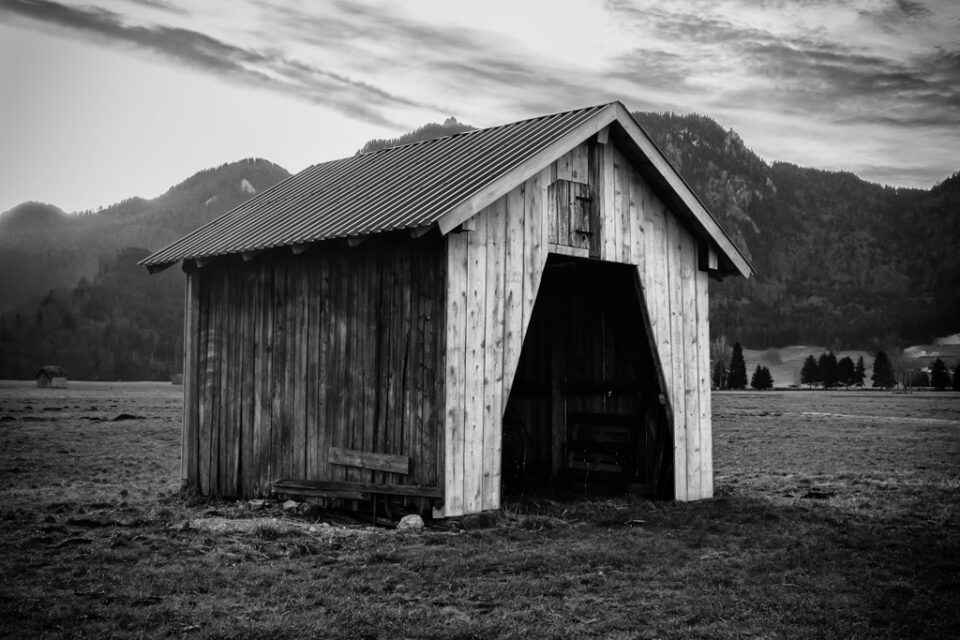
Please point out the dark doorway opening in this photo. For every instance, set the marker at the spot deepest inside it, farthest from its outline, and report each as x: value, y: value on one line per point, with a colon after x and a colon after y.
x: 586, y: 412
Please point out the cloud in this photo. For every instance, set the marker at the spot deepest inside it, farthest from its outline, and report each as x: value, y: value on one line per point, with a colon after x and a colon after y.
x: 265, y: 69
x: 801, y: 73
x: 461, y: 61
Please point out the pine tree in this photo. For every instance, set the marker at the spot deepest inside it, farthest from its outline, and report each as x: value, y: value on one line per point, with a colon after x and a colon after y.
x: 738, y: 369
x: 846, y: 371
x: 810, y: 374
x: 883, y: 372
x: 939, y: 376
x: 827, y: 364
x: 761, y: 378
x: 859, y: 372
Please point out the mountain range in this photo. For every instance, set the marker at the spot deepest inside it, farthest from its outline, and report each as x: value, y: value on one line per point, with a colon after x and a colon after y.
x: 840, y: 262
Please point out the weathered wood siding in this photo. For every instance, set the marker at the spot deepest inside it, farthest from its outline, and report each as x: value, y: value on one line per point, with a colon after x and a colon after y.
x: 493, y: 273
x: 289, y: 355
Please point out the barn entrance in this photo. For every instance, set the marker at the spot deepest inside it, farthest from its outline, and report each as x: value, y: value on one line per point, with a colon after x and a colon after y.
x: 585, y: 411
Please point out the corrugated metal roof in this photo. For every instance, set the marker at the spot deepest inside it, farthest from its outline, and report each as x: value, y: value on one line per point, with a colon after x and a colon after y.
x: 397, y: 188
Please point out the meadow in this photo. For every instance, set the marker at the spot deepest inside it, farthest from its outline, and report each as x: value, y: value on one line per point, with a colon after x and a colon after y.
x: 837, y: 515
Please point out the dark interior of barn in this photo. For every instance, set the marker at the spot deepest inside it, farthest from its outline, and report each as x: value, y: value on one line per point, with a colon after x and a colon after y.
x: 585, y: 413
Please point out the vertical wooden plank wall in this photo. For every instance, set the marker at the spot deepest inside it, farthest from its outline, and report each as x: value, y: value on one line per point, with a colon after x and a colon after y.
x: 288, y: 355
x: 493, y: 274
x: 506, y: 252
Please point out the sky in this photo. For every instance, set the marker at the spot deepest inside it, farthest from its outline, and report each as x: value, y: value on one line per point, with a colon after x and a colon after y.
x: 107, y: 99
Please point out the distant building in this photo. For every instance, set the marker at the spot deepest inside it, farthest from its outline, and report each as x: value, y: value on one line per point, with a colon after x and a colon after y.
x: 52, y: 375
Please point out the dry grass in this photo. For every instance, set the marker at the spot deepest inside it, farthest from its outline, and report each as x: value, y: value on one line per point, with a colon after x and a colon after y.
x: 837, y: 517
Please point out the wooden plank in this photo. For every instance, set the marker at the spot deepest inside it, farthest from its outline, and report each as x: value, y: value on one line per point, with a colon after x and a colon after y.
x: 292, y: 486
x: 562, y: 199
x: 231, y: 351
x: 338, y: 392
x: 637, y: 225
x: 262, y: 304
x: 423, y: 363
x: 690, y: 359
x: 627, y: 211
x: 189, y: 459
x: 216, y: 382
x: 370, y: 460
x: 325, y: 329
x: 675, y: 375
x: 580, y: 164
x: 455, y: 382
x: 369, y: 350
x: 608, y: 226
x: 313, y: 356
x: 278, y: 370
x: 475, y: 352
x: 301, y: 383
x: 595, y: 179
x: 331, y: 494
x: 706, y: 417
x: 552, y: 212
x: 493, y: 354
x: 534, y: 255
x: 248, y: 341
x: 512, y: 291
x: 352, y: 392
x: 435, y: 409
x: 564, y: 250
x: 565, y: 166
x: 616, y: 211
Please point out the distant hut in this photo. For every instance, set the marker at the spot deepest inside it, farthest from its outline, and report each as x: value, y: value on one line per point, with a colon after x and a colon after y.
x: 520, y: 304
x: 52, y: 375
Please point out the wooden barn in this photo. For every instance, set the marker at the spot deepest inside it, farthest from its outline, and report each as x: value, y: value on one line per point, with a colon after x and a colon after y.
x: 52, y: 375
x: 428, y: 323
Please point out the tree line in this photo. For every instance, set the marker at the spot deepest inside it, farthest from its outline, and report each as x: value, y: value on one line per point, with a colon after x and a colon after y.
x: 736, y: 376
x: 828, y: 372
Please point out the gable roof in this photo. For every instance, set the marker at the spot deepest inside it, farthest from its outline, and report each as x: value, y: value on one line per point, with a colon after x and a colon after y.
x: 440, y: 182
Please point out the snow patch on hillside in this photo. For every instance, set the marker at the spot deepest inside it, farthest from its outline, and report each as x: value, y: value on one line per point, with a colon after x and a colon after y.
x: 246, y: 187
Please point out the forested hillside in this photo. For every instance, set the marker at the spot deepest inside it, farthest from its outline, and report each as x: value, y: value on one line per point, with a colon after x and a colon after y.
x: 841, y: 262
x: 71, y: 292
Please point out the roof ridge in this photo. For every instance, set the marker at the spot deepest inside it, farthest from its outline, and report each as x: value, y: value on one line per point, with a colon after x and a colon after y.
x: 483, y: 129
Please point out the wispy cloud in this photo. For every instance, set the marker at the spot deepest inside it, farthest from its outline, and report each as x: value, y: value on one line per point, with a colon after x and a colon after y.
x: 263, y: 68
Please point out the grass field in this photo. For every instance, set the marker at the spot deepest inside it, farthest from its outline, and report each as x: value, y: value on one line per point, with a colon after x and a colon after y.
x: 837, y: 516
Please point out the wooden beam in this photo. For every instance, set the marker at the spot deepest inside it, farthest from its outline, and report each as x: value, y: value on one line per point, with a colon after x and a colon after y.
x: 293, y: 486
x: 297, y: 249
x: 418, y: 232
x: 369, y: 460
x: 203, y: 262
x: 157, y: 268
x: 355, y: 241
x: 250, y: 255
x: 320, y: 493
x: 603, y: 136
